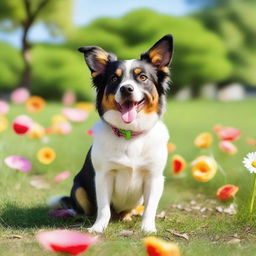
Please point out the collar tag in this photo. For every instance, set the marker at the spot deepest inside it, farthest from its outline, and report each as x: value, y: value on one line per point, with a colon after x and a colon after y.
x: 127, y: 133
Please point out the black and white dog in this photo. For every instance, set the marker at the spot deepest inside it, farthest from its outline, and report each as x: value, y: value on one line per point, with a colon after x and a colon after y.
x: 124, y: 167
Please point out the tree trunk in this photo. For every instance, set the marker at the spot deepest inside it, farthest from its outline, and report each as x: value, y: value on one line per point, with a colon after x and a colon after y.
x: 25, y: 80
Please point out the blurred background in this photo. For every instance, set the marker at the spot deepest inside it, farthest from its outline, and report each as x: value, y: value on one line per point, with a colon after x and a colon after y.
x: 215, y: 44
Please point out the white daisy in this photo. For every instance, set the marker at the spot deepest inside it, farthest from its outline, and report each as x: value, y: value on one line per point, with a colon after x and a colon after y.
x: 250, y: 162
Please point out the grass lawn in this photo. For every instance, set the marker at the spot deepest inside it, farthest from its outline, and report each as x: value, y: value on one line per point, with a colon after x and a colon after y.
x: 23, y: 211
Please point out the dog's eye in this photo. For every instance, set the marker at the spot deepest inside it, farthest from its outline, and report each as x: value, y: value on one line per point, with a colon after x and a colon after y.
x: 114, y: 79
x: 143, y: 77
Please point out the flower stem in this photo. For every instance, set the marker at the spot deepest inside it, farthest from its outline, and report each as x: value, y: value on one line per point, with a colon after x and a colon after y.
x: 253, y: 195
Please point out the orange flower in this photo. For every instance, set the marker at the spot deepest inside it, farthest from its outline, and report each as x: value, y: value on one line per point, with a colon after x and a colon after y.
x: 3, y: 123
x: 171, y: 147
x: 86, y: 106
x: 204, y: 168
x: 159, y: 247
x: 228, y: 147
x: 46, y: 155
x: 178, y: 164
x: 36, y: 131
x: 203, y: 140
x: 35, y: 104
x: 227, y: 191
x: 56, y: 119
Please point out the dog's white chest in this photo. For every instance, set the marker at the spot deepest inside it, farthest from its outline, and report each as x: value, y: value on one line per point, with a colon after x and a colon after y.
x: 129, y: 162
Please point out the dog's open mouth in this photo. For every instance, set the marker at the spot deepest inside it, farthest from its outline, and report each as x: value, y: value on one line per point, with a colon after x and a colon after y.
x: 129, y: 109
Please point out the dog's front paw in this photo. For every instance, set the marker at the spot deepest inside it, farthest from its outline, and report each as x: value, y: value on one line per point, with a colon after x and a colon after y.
x: 97, y: 228
x: 148, y: 228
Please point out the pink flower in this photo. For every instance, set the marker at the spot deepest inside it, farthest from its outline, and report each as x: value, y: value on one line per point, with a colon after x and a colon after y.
x: 66, y: 241
x: 4, y: 107
x: 63, y: 128
x: 227, y: 147
x: 75, y: 114
x: 20, y: 95
x: 69, y: 98
x: 18, y: 163
x: 227, y: 133
x: 22, y: 124
x: 64, y: 213
x: 61, y: 176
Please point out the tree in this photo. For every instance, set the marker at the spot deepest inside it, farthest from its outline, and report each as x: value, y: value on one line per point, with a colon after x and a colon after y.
x: 24, y: 14
x: 234, y: 21
x: 199, y: 55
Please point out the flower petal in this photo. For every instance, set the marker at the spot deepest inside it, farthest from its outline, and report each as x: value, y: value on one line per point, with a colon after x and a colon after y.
x: 204, y: 168
x: 3, y: 123
x: 159, y: 247
x: 4, y: 107
x: 228, y: 147
x: 178, y: 164
x: 75, y: 114
x: 20, y: 95
x: 22, y: 124
x: 18, y: 163
x: 61, y: 176
x: 171, y: 147
x: 69, y: 98
x: 35, y: 104
x: 203, y: 140
x: 227, y: 133
x: 227, y: 191
x: 66, y: 241
x: 46, y: 155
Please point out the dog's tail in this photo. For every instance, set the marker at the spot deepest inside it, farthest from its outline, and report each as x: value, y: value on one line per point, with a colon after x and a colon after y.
x: 58, y: 202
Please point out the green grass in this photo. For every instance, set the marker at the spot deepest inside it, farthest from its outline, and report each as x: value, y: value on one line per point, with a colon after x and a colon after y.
x: 23, y: 210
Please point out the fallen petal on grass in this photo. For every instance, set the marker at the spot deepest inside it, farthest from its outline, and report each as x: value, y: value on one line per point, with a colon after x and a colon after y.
x: 4, y: 107
x: 20, y: 95
x: 3, y: 123
x: 18, y: 163
x: 203, y: 140
x: 22, y: 124
x: 226, y: 192
x: 35, y: 104
x: 159, y: 247
x: 227, y: 133
x: 204, y: 168
x: 228, y: 147
x: 46, y: 155
x: 178, y: 164
x: 61, y: 176
x: 39, y: 183
x: 66, y: 241
x: 75, y: 114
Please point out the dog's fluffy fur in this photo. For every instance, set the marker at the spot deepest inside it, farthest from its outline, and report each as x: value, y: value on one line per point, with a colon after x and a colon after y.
x: 123, y: 172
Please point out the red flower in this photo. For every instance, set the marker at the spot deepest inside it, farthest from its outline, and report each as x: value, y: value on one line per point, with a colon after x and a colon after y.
x: 226, y: 192
x: 228, y: 147
x: 227, y: 133
x: 178, y: 164
x: 66, y: 241
x: 22, y: 124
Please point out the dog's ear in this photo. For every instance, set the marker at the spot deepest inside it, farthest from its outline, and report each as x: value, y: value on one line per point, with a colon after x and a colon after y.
x: 160, y: 54
x: 96, y: 58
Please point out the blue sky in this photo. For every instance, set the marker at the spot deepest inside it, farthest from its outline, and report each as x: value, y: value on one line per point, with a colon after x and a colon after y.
x: 87, y: 10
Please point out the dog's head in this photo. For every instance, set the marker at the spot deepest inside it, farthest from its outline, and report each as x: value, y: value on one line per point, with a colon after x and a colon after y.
x: 131, y: 93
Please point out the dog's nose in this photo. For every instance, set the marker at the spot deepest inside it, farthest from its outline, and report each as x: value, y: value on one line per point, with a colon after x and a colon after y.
x: 126, y: 90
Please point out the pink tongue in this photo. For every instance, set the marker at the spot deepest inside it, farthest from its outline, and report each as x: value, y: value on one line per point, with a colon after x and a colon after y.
x: 128, y: 114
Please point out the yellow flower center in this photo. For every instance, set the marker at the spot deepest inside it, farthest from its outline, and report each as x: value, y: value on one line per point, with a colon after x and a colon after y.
x: 254, y: 163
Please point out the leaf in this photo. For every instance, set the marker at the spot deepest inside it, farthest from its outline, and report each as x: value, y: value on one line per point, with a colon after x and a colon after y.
x: 185, y: 236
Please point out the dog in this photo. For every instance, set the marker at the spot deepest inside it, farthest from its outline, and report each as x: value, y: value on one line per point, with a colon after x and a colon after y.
x: 124, y: 166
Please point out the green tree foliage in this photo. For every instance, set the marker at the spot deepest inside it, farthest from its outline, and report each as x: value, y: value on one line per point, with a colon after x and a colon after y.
x: 235, y: 22
x: 199, y: 55
x: 57, y: 69
x: 55, y: 14
x: 10, y: 66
